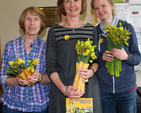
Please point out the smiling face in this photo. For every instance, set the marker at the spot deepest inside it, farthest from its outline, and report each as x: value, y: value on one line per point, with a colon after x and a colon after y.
x: 73, y: 7
x: 32, y: 24
x: 103, y: 9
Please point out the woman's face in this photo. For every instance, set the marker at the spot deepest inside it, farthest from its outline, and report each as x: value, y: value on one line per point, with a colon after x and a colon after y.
x: 73, y: 7
x: 32, y: 24
x: 103, y: 9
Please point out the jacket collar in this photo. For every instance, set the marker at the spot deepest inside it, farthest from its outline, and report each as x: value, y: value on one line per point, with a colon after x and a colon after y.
x: 114, y: 23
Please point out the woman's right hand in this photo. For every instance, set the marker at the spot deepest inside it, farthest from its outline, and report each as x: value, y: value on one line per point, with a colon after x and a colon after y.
x: 69, y: 91
x: 107, y: 56
x: 22, y: 82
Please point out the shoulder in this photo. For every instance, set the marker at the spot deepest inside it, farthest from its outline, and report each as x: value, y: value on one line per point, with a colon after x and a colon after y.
x: 11, y: 42
x: 89, y: 24
x: 41, y: 40
x: 54, y: 28
x: 98, y: 28
x: 125, y: 24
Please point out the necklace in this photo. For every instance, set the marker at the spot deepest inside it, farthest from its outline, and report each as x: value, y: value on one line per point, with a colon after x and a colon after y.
x: 28, y: 42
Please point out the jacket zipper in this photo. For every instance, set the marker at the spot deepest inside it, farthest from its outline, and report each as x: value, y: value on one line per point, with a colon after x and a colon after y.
x: 113, y: 76
x: 113, y: 84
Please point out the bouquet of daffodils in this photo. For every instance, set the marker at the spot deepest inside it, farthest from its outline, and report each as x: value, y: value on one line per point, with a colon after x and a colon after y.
x: 19, y: 69
x: 116, y: 36
x: 85, y: 54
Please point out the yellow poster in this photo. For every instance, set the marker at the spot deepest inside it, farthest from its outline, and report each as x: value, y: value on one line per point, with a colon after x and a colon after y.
x: 81, y: 105
x: 116, y: 1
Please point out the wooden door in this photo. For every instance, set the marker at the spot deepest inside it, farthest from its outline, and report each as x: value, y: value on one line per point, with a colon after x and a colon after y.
x: 0, y: 52
x: 94, y: 18
x: 1, y: 89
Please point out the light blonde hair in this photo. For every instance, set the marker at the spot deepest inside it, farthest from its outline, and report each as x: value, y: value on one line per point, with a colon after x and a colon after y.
x: 111, y: 3
x: 34, y: 11
x: 61, y: 7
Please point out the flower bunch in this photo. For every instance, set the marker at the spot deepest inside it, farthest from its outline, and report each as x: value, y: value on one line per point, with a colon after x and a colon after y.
x: 85, y: 54
x: 31, y: 65
x: 116, y: 36
x: 19, y: 69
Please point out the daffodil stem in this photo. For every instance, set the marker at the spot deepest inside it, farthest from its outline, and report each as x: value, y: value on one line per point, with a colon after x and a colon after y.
x: 86, y: 59
x: 116, y: 63
x: 82, y: 58
x: 110, y: 65
x: 78, y: 58
x: 120, y: 65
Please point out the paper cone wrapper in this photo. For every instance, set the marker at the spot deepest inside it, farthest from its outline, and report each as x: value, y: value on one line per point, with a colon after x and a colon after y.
x: 81, y: 84
x: 80, y: 66
x: 28, y: 73
x: 22, y: 76
x: 30, y: 84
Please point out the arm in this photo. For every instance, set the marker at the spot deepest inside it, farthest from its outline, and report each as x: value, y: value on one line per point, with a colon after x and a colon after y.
x: 57, y: 81
x: 94, y: 67
x: 36, y: 77
x: 66, y: 90
x: 11, y: 81
x: 133, y: 52
x: 39, y: 77
x: 129, y: 54
x: 45, y: 79
x: 5, y: 80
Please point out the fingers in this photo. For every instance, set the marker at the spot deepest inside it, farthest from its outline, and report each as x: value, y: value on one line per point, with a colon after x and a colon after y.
x: 85, y: 73
x: 35, y: 76
x: 107, y: 56
x: 120, y: 54
x: 77, y: 95
x: 31, y: 79
x: 71, y: 92
x: 22, y: 82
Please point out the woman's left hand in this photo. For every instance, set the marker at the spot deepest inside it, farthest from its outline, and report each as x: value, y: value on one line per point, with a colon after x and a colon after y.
x: 85, y: 74
x: 120, y: 54
x: 35, y: 76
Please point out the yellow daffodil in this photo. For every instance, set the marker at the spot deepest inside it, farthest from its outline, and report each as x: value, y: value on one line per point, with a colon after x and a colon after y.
x: 91, y: 61
x: 36, y: 60
x: 20, y: 61
x: 11, y: 63
x: 121, y: 28
x: 66, y: 37
x: 101, y: 40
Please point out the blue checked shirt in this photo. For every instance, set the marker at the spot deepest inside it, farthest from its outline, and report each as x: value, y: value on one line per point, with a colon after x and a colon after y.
x: 25, y: 99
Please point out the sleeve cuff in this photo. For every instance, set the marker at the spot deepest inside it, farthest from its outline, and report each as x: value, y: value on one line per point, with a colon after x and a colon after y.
x: 3, y: 81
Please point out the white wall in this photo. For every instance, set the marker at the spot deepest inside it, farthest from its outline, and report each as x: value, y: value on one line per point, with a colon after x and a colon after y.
x: 10, y: 11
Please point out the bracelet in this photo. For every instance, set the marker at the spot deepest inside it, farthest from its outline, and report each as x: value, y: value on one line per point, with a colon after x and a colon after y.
x: 92, y: 70
x: 64, y: 89
x: 41, y: 77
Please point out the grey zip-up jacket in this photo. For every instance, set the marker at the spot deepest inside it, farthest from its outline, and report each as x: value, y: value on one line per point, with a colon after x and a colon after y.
x: 127, y: 79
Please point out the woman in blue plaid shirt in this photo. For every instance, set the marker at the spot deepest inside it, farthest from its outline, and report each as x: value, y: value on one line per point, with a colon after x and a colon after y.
x: 17, y: 96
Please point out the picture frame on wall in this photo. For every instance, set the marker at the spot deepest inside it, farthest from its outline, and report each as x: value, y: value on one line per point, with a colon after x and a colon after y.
x: 53, y: 15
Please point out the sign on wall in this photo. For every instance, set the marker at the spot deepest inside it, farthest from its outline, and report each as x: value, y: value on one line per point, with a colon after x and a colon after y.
x: 52, y: 14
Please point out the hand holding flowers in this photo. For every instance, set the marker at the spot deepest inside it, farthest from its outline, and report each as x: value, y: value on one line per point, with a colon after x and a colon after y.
x: 19, y: 69
x: 116, y: 37
x: 85, y: 54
